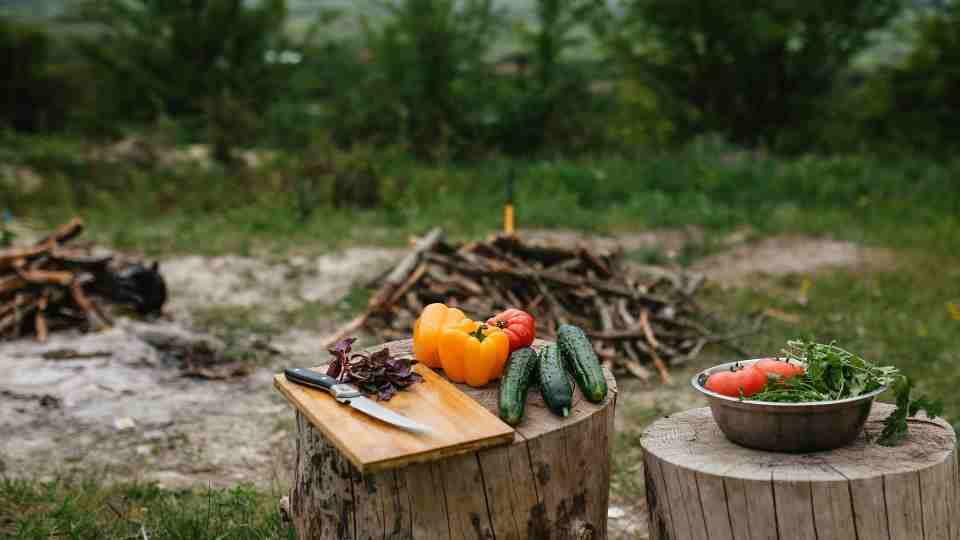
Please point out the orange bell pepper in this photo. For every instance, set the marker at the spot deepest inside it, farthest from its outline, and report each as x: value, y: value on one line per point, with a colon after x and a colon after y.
x: 473, y: 352
x: 426, y: 332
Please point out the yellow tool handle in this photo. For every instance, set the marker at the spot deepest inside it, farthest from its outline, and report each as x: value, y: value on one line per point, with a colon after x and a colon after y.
x: 508, y: 204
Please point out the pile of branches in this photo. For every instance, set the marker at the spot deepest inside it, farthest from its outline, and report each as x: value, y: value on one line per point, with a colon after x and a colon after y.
x: 635, y: 319
x: 48, y: 286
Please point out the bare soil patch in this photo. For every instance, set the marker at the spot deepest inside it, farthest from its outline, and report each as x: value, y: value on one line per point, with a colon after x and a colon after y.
x: 782, y: 255
x: 669, y: 240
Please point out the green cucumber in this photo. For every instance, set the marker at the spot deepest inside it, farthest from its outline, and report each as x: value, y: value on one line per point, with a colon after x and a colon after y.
x: 520, y: 373
x: 554, y: 385
x: 581, y: 360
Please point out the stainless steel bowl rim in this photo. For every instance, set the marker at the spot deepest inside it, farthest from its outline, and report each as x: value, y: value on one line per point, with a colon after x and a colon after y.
x: 695, y: 382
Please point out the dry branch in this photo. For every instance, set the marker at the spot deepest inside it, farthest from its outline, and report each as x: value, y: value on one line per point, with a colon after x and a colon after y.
x: 652, y: 341
x: 395, y: 285
x: 402, y: 271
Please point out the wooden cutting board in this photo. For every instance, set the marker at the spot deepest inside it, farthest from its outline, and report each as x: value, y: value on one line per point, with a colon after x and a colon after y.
x: 458, y: 423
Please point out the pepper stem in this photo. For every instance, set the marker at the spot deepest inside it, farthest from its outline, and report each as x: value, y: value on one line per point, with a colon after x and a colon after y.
x: 478, y: 333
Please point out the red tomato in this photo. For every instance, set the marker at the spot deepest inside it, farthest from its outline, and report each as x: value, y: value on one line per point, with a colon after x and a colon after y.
x: 748, y: 379
x: 782, y: 368
x: 518, y: 325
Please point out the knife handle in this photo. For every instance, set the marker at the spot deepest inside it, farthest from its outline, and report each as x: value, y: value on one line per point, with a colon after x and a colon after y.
x: 322, y: 381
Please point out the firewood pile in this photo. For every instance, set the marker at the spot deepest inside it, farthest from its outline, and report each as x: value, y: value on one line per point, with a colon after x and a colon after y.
x: 47, y: 286
x: 635, y: 319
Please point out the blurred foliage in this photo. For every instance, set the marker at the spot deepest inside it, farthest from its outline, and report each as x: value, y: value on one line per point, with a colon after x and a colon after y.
x: 430, y: 77
x: 915, y: 106
x: 750, y: 70
x: 548, y: 102
x: 420, y: 78
x: 39, y: 93
x: 291, y: 198
x: 206, y: 60
x: 324, y: 176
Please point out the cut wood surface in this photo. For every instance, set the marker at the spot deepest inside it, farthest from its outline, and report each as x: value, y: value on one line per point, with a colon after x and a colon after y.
x: 700, y: 485
x: 552, y: 481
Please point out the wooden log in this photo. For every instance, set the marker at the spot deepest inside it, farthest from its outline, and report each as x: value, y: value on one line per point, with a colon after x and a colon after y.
x: 397, y: 277
x: 65, y: 233
x: 700, y: 485
x: 552, y: 482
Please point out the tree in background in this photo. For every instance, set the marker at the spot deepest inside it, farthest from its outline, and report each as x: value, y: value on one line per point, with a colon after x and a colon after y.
x: 754, y: 70
x: 206, y: 59
x: 920, y: 99
x: 552, y: 97
x: 37, y: 93
x: 425, y: 76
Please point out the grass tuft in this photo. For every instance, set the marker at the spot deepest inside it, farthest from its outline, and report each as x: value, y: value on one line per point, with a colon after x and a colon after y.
x: 83, y: 509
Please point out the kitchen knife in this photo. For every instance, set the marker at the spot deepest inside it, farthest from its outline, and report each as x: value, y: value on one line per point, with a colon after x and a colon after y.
x: 349, y: 395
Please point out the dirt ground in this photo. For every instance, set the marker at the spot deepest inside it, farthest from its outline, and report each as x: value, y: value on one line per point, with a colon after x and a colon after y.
x: 119, y: 401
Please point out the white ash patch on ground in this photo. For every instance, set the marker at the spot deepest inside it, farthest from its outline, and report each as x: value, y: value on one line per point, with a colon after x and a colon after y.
x: 270, y: 286
x: 111, y: 400
x: 329, y: 277
x: 223, y: 281
x: 783, y: 255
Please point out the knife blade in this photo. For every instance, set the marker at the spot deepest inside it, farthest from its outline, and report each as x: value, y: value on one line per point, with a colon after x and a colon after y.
x: 349, y: 395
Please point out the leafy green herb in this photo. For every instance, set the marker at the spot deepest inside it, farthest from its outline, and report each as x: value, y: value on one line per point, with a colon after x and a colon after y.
x: 832, y: 373
x: 895, y: 426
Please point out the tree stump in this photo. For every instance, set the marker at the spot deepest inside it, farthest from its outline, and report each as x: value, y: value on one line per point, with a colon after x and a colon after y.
x: 553, y: 481
x: 699, y: 485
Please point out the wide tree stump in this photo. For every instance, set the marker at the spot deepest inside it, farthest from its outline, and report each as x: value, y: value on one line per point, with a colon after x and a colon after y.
x: 701, y: 486
x: 552, y: 482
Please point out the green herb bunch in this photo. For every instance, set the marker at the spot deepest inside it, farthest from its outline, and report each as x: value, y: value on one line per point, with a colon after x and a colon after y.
x: 833, y: 373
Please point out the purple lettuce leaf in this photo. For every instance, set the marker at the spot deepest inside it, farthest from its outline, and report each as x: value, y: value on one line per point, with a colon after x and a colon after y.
x: 386, y: 392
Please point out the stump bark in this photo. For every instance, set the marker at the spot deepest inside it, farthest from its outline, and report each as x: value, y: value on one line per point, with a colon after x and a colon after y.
x: 699, y: 485
x: 552, y: 482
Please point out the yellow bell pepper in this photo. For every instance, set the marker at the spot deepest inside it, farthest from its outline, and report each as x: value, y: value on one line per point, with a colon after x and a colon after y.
x: 473, y: 352
x: 426, y: 332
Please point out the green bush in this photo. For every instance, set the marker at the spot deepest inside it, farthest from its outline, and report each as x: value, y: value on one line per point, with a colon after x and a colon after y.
x: 754, y: 71
x: 38, y: 93
x: 549, y: 106
x: 202, y: 59
x: 424, y: 81
x: 916, y: 105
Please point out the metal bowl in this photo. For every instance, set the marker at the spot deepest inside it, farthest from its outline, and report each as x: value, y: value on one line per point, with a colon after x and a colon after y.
x: 786, y: 427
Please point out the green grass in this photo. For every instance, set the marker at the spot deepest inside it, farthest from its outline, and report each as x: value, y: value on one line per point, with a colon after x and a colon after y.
x: 79, y: 509
x: 905, y: 202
